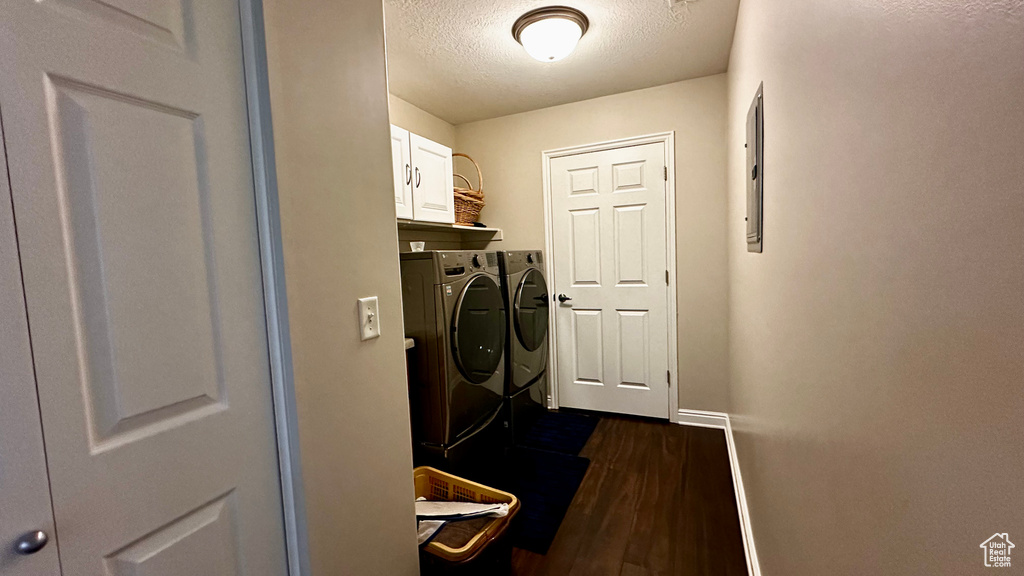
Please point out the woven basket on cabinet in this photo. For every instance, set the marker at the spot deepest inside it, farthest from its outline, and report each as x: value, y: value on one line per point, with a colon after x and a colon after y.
x: 469, y: 202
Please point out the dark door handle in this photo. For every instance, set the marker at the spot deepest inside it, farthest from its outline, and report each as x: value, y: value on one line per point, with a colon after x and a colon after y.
x: 31, y: 543
x: 563, y: 298
x: 408, y: 174
x: 417, y: 177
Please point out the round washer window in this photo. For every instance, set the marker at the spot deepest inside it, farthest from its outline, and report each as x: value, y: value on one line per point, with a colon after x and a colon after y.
x: 531, y: 310
x: 478, y: 329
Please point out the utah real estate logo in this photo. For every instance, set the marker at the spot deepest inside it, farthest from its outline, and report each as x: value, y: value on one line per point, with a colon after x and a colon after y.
x: 997, y: 550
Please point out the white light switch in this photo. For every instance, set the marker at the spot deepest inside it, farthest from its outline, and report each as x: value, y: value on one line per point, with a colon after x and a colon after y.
x: 369, y: 319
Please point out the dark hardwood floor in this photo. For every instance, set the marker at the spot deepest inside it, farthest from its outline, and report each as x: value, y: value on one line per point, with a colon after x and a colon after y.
x: 657, y: 499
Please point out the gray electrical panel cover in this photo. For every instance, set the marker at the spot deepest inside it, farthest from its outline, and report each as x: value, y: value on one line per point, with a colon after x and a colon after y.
x: 754, y: 177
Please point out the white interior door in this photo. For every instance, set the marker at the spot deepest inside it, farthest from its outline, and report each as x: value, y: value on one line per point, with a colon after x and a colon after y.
x: 24, y: 486
x: 401, y: 165
x: 127, y: 134
x: 433, y: 195
x: 610, y: 245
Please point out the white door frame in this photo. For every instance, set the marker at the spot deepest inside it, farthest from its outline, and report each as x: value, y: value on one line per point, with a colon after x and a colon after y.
x: 667, y: 138
x: 268, y: 221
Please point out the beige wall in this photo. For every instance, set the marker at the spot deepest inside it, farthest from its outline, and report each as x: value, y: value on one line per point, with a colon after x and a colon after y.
x: 878, y: 342
x: 418, y: 121
x: 330, y: 109
x: 509, y: 152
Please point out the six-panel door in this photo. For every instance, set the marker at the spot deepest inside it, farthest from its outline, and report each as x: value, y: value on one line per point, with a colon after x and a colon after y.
x: 609, y: 233
x: 127, y: 135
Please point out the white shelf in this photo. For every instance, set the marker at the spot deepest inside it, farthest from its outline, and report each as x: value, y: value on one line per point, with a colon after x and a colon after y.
x: 468, y: 233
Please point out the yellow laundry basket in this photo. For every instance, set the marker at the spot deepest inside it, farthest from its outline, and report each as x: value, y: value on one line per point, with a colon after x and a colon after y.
x: 434, y: 484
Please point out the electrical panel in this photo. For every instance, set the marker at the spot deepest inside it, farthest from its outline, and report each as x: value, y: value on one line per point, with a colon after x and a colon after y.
x: 755, y: 172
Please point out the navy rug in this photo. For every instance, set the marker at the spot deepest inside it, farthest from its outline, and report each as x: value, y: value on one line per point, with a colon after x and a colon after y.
x: 545, y: 483
x: 564, y: 432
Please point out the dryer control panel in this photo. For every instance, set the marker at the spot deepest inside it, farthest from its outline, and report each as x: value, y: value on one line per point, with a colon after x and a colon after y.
x: 455, y: 264
x: 513, y: 261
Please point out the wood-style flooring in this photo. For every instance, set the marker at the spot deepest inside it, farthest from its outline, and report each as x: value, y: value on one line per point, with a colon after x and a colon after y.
x: 657, y: 499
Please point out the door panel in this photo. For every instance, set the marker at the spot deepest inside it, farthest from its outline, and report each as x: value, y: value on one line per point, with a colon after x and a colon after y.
x: 200, y: 542
x: 609, y: 231
x: 585, y: 247
x: 583, y: 181
x: 630, y: 253
x: 433, y: 196
x: 161, y: 21
x: 628, y: 176
x: 24, y: 487
x: 588, y: 349
x: 634, y: 337
x: 401, y: 163
x: 134, y: 201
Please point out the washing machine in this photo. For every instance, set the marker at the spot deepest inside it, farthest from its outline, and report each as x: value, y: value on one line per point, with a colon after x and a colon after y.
x: 526, y: 355
x: 455, y: 313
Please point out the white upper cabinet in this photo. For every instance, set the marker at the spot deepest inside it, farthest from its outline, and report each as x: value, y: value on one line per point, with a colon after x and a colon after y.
x: 423, y: 178
x: 433, y: 197
x: 401, y: 162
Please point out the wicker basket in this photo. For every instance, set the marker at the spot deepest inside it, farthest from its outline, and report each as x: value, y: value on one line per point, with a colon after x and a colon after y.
x: 469, y: 202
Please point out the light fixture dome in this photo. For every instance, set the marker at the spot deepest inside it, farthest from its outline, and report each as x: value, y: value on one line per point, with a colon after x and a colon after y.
x: 550, y: 34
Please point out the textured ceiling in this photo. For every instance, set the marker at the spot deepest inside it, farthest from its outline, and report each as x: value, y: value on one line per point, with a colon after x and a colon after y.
x: 457, y: 59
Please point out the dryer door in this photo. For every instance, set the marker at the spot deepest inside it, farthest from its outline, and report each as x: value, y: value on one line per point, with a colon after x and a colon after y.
x: 530, y: 310
x: 478, y: 330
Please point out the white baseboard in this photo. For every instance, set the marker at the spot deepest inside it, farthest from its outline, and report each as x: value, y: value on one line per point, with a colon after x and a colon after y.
x: 703, y: 419
x: 720, y: 420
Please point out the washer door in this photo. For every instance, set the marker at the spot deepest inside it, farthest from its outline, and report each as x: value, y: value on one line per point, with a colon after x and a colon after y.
x: 530, y: 310
x: 478, y: 330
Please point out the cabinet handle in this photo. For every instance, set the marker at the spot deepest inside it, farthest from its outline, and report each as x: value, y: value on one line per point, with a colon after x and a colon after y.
x: 408, y: 174
x: 417, y: 177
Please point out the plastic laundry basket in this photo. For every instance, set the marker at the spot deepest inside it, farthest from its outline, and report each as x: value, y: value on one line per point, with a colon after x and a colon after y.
x: 434, y: 484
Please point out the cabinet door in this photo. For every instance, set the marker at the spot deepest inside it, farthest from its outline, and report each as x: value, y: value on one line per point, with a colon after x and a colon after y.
x: 401, y: 166
x: 433, y: 198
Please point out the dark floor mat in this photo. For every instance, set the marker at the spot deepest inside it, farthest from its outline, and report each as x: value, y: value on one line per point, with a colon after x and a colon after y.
x: 545, y: 482
x: 564, y: 432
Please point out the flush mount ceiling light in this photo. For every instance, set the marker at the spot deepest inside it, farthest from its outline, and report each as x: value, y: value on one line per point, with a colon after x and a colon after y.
x: 551, y: 33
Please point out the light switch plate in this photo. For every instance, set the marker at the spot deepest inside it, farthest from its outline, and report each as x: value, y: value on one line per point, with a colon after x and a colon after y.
x: 369, y: 318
